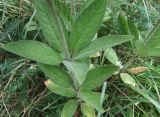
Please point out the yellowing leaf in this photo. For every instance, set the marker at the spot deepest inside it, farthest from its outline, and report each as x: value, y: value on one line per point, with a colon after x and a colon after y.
x: 97, y: 54
x: 137, y: 70
x: 127, y: 79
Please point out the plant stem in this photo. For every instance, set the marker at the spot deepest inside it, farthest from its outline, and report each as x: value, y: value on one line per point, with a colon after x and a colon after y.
x: 74, y: 79
x: 62, y: 38
x: 73, y: 13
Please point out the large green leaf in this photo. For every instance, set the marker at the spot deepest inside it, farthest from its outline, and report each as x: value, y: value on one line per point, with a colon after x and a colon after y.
x: 85, y: 5
x: 34, y: 50
x: 69, y: 108
x: 97, y: 76
x: 91, y: 98
x: 80, y: 69
x: 153, y: 38
x: 56, y: 75
x: 86, y: 26
x: 60, y: 90
x: 103, y: 43
x: 87, y: 110
x: 47, y: 23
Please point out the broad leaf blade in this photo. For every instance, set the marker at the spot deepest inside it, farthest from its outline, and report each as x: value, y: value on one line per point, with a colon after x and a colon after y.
x: 56, y: 75
x: 87, y: 110
x: 58, y: 89
x: 103, y: 43
x: 69, y: 108
x: 85, y: 26
x: 85, y: 5
x: 91, y: 98
x: 47, y: 23
x: 97, y: 76
x: 34, y: 50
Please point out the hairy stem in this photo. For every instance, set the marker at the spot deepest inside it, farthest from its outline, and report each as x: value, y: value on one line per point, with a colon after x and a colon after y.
x: 52, y: 5
x: 60, y: 29
x: 75, y: 82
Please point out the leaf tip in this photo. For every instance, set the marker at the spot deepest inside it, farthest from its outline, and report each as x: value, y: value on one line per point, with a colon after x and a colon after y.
x: 47, y: 82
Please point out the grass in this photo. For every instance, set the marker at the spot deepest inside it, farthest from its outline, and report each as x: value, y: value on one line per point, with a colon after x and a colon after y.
x: 22, y: 91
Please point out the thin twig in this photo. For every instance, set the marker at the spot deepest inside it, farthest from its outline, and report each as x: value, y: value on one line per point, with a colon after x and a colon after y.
x: 5, y: 106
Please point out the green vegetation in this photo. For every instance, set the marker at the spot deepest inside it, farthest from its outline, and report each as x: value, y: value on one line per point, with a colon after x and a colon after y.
x: 79, y: 58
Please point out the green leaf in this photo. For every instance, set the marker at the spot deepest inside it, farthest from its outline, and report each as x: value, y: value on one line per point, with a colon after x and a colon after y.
x: 86, y: 26
x: 133, y: 30
x: 105, y: 95
x: 145, y: 51
x: 103, y: 43
x: 64, y: 12
x: 153, y: 37
x: 144, y: 93
x: 85, y: 5
x: 34, y: 50
x: 127, y: 79
x: 58, y: 89
x: 91, y: 98
x: 80, y: 69
x: 107, y: 15
x: 122, y: 20
x: 112, y: 56
x: 47, y: 23
x: 97, y: 76
x: 56, y: 75
x: 69, y: 108
x: 152, y: 52
x: 87, y: 110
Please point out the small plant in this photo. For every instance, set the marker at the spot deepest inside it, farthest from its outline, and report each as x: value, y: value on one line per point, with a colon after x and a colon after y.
x: 65, y: 58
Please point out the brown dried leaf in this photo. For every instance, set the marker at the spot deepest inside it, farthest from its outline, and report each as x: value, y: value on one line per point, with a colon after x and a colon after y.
x: 137, y: 70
